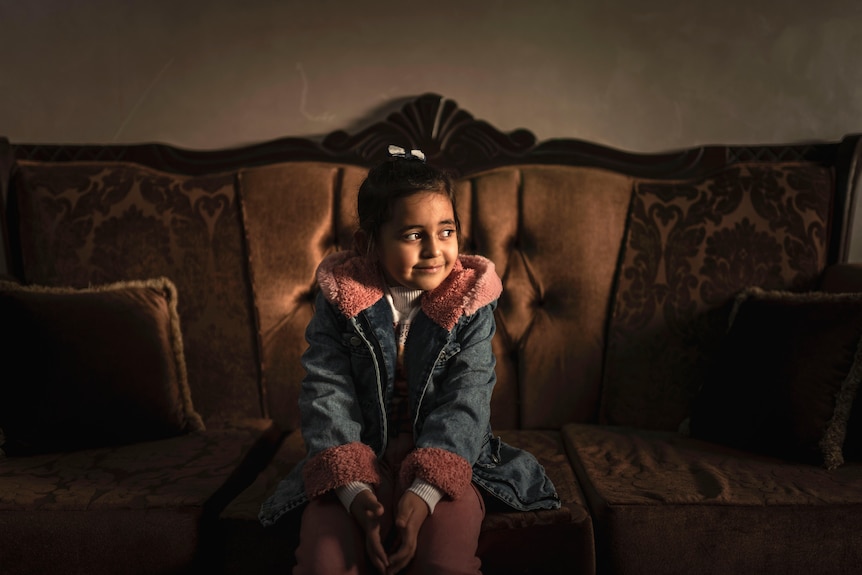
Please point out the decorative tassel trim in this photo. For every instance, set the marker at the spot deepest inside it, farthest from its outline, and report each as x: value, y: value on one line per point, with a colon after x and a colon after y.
x: 339, y: 466
x: 443, y: 469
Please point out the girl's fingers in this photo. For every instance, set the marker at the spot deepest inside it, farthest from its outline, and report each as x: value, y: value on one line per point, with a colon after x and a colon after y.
x: 375, y: 550
x: 400, y: 558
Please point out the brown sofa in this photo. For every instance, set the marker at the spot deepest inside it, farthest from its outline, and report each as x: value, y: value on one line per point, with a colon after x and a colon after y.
x: 677, y: 445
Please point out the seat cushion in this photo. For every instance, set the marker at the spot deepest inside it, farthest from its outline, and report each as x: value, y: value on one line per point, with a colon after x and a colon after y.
x: 560, y: 541
x: 137, y: 508
x: 664, y: 503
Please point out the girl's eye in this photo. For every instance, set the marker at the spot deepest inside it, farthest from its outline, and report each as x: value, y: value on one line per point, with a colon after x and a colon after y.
x: 447, y: 233
x: 412, y: 236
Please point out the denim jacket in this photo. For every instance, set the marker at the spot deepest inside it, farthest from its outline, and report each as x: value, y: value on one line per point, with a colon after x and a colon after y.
x: 349, y: 382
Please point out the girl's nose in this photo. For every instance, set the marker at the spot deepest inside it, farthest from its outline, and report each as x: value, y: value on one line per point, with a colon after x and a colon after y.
x: 431, y: 248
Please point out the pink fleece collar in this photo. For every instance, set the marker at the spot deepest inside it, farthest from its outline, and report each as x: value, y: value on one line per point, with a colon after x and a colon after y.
x: 353, y: 283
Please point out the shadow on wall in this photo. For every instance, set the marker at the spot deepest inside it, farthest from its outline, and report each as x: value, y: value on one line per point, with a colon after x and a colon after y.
x: 374, y: 115
x: 377, y: 114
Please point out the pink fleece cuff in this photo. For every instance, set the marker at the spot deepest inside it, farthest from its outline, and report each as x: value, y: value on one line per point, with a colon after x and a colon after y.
x: 443, y: 469
x: 337, y: 466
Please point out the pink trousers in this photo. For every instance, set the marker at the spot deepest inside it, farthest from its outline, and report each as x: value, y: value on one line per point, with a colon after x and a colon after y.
x: 331, y: 541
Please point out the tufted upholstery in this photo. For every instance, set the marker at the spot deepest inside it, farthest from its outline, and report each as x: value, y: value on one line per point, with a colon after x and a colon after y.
x: 617, y: 273
x: 88, y: 223
x: 668, y: 299
x: 551, y: 316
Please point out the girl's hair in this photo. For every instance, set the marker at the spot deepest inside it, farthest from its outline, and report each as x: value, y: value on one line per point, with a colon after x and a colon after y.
x: 398, y: 178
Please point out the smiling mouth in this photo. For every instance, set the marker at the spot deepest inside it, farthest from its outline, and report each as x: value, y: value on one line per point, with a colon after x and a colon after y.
x: 428, y: 269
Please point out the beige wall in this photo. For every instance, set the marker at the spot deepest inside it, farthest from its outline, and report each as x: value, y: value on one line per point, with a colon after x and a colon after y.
x: 640, y: 76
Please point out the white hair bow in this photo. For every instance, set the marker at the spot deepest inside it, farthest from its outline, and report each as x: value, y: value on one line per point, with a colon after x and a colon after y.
x: 399, y: 152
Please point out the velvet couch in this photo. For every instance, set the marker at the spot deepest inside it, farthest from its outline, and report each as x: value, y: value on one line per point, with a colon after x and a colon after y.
x: 677, y: 344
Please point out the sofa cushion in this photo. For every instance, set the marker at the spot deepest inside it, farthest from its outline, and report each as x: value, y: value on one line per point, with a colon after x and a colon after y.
x: 554, y: 234
x: 505, y: 534
x: 785, y: 377
x: 91, y: 223
x: 91, y: 367
x: 690, y: 247
x: 294, y: 214
x: 664, y: 503
x: 142, y: 508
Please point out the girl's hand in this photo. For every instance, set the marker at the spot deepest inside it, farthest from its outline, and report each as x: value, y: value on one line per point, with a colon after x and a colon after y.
x: 412, y: 512
x: 367, y: 511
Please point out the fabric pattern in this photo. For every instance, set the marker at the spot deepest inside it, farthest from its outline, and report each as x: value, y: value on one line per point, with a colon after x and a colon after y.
x: 84, y: 223
x: 712, y: 508
x: 690, y: 247
x: 183, y: 471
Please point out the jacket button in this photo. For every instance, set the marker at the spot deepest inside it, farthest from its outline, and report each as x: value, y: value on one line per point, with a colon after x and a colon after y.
x: 355, y: 341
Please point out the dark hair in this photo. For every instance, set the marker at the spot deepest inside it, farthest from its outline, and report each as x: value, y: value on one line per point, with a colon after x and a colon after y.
x: 394, y: 179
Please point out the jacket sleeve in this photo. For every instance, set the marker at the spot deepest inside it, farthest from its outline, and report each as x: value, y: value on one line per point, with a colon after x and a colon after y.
x: 329, y: 408
x: 453, y: 432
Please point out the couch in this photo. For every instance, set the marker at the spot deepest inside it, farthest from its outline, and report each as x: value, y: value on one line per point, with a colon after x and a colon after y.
x: 677, y: 343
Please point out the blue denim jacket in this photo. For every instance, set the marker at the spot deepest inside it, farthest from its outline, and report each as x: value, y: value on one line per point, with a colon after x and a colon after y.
x: 350, y: 363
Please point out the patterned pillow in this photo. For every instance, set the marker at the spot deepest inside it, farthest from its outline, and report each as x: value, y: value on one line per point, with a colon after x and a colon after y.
x: 785, y: 377
x: 690, y: 246
x: 94, y: 223
x: 91, y: 367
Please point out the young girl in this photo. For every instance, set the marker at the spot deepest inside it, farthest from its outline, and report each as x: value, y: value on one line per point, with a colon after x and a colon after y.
x: 396, y: 400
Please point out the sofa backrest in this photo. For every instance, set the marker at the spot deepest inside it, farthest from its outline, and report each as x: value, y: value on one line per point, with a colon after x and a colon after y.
x: 86, y: 223
x: 531, y: 220
x: 691, y: 245
x: 617, y: 268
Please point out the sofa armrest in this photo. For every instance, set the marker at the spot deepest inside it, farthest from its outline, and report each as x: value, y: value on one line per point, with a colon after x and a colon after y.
x: 842, y: 278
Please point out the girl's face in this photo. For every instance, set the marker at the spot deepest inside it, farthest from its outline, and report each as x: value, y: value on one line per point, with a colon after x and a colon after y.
x: 419, y: 244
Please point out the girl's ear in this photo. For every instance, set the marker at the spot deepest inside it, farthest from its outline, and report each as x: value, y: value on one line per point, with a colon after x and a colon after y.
x: 360, y: 240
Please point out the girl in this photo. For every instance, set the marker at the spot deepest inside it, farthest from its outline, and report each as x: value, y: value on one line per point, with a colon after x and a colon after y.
x: 396, y: 400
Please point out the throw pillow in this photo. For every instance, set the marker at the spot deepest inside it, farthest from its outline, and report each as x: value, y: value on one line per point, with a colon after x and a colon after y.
x: 91, y: 367
x: 690, y: 246
x: 97, y: 222
x: 785, y: 377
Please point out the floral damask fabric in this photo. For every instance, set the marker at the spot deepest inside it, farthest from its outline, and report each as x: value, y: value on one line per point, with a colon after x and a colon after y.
x: 689, y: 247
x: 711, y: 508
x: 91, y: 223
x: 183, y: 471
